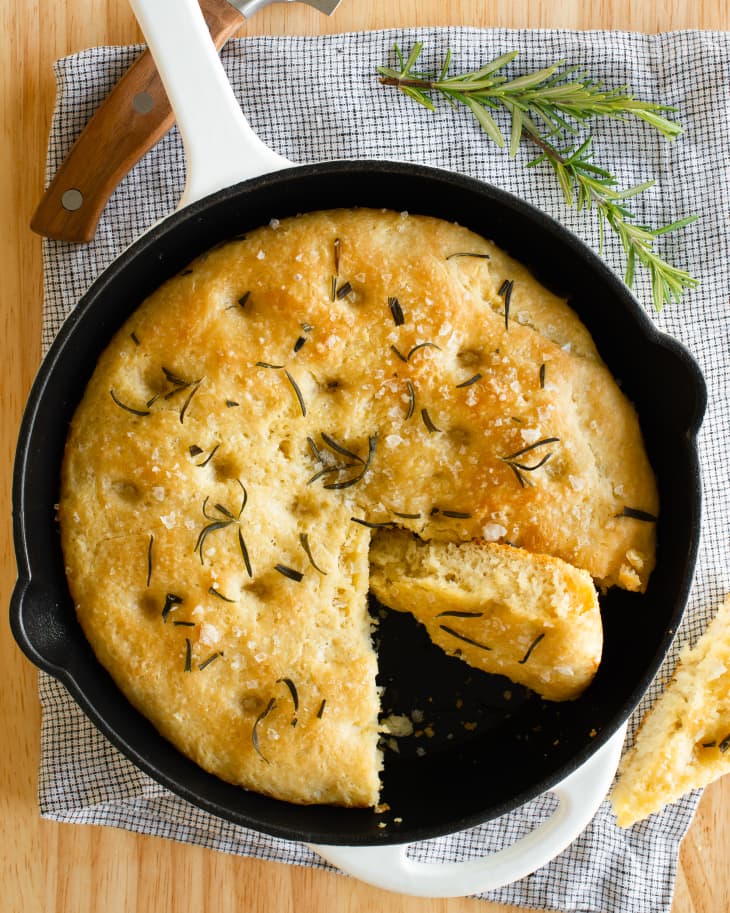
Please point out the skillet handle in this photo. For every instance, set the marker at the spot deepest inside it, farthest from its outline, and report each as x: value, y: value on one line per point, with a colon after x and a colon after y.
x: 579, y: 796
x: 220, y: 147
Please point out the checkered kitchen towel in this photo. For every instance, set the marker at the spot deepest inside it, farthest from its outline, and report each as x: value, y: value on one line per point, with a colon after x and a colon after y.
x: 316, y: 98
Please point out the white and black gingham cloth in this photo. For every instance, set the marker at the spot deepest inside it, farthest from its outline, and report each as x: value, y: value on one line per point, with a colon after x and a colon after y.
x: 314, y: 99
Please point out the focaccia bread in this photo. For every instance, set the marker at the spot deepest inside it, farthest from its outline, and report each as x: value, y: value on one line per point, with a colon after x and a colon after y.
x: 326, y: 371
x: 533, y: 618
x: 684, y: 741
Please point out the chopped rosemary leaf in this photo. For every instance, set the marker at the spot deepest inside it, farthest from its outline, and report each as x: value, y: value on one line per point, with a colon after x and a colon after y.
x: 244, y: 298
x: 398, y: 353
x: 372, y: 441
x: 407, y: 516
x: 455, y: 614
x: 506, y: 292
x: 209, y: 660
x: 517, y: 453
x: 467, y: 640
x: 122, y: 405
x: 149, y: 559
x: 314, y: 449
x: 636, y: 514
x: 244, y: 499
x: 185, y: 272
x: 265, y: 364
x: 396, y: 311
x: 468, y: 254
x: 532, y: 468
x: 456, y: 514
x: 188, y: 655
x: 532, y: 646
x: 224, y: 511
x: 712, y: 744
x: 194, y: 450
x: 411, y: 400
x: 338, y: 448
x: 135, y: 339
x: 428, y: 422
x: 297, y: 392
x: 343, y: 291
x: 542, y: 375
x: 519, y: 468
x: 299, y: 343
x: 171, y: 600
x: 337, y: 256
x: 370, y: 525
x: 214, y: 592
x: 254, y: 732
x: 187, y: 401
x: 209, y: 457
x: 292, y: 690
x: 326, y: 471
x: 153, y: 399
x: 469, y: 382
x: 206, y: 531
x: 333, y: 288
x: 231, y: 403
x: 304, y: 540
x: 289, y: 572
x: 184, y: 624
x: 307, y: 327
x: 174, y: 378
x: 244, y: 554
x: 422, y: 345
x: 724, y: 744
x: 518, y: 475
x: 321, y: 709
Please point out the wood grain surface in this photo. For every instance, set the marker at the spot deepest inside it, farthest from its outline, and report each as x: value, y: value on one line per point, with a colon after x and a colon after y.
x: 52, y: 868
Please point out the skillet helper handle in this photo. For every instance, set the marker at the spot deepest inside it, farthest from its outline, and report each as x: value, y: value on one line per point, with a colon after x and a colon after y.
x: 579, y: 796
x: 128, y: 123
x: 221, y: 149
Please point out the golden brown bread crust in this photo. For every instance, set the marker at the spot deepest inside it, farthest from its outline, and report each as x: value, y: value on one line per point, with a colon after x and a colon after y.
x: 247, y: 371
x: 502, y: 609
x: 684, y: 740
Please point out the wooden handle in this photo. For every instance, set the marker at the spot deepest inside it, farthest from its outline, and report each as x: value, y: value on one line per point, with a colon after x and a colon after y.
x: 130, y: 121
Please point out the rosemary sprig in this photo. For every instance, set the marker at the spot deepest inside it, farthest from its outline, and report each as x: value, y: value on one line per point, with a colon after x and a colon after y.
x: 543, y: 105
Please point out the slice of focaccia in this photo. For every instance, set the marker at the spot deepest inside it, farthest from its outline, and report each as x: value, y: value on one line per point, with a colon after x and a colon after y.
x: 684, y: 741
x: 530, y: 617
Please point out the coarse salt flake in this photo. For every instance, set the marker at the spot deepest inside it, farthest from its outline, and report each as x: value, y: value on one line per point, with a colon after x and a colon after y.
x: 493, y: 531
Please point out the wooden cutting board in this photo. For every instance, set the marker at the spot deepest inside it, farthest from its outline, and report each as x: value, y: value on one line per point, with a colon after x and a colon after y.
x: 51, y: 868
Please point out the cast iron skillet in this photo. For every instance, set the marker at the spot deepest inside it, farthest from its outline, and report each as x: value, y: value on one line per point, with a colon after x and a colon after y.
x: 520, y: 746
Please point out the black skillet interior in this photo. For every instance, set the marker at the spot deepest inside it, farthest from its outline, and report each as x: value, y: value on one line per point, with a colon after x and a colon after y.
x: 456, y: 774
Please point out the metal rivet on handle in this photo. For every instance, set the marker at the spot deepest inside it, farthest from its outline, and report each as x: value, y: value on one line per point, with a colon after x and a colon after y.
x: 72, y: 199
x: 143, y: 103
